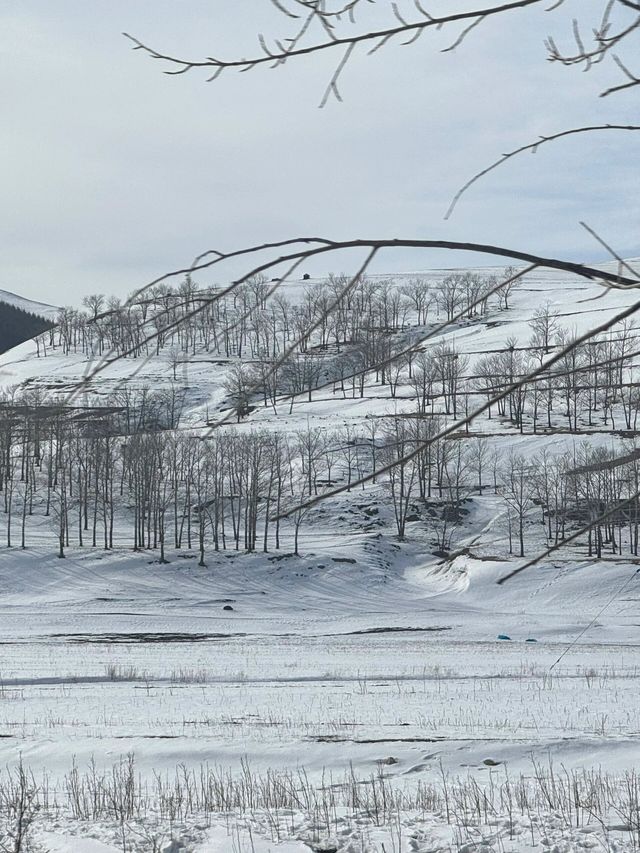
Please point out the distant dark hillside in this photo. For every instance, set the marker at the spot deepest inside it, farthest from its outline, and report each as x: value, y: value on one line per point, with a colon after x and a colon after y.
x: 17, y: 326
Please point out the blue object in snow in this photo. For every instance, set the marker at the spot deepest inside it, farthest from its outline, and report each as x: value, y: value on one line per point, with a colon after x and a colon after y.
x: 531, y: 640
x: 503, y: 637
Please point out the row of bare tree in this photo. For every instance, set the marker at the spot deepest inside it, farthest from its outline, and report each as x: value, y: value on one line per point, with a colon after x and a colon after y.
x: 257, y: 321
x: 101, y: 486
x: 593, y: 386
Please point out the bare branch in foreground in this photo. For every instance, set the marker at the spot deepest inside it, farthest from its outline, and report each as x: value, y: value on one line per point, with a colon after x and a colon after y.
x: 455, y: 425
x: 587, y: 527
x: 317, y: 246
x: 380, y: 37
x: 533, y: 147
x: 615, y: 255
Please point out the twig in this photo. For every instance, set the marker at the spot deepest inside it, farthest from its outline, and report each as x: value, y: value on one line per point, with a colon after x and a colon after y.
x: 184, y: 65
x: 533, y: 147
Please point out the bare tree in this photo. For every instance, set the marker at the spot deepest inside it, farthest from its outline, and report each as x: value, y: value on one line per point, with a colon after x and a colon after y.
x: 518, y: 492
x: 402, y: 472
x: 237, y: 384
x: 479, y: 451
x: 544, y: 327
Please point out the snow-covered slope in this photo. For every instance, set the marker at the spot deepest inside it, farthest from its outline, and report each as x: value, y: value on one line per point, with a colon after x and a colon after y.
x: 578, y: 303
x: 202, y: 373
x: 363, y: 659
x: 42, y: 309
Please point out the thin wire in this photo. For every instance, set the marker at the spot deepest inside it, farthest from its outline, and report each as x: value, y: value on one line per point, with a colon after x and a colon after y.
x: 595, y: 618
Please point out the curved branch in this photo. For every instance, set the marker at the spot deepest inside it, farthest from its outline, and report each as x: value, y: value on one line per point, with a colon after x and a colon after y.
x: 336, y: 245
x: 183, y: 65
x: 533, y: 147
x: 322, y: 244
x: 316, y: 246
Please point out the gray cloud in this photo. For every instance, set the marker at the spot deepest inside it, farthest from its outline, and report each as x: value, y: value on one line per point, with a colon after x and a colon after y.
x: 114, y: 173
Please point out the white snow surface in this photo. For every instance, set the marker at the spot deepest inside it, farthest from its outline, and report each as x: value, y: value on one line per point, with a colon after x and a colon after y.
x: 42, y: 309
x: 363, y: 650
x: 579, y: 303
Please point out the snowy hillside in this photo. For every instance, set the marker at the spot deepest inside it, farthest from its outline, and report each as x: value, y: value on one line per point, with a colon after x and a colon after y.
x: 49, y: 312
x: 399, y: 361
x: 216, y: 663
x: 19, y: 322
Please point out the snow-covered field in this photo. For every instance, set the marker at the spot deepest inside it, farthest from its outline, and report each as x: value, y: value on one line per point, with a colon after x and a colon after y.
x: 357, y: 698
x: 334, y: 668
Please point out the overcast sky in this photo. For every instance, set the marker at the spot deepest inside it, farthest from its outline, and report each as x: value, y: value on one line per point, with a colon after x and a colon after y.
x: 112, y: 172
